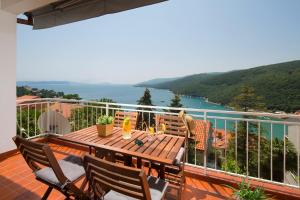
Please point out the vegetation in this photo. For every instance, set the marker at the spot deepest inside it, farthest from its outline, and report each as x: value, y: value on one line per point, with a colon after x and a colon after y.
x: 247, y: 100
x: 278, y: 84
x: 71, y: 96
x: 145, y: 116
x: 27, y: 118
x: 244, y: 192
x: 175, y: 102
x: 87, y: 115
x: 43, y: 93
x: 104, y: 120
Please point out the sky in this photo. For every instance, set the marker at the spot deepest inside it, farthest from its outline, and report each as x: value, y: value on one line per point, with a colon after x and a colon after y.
x: 171, y: 39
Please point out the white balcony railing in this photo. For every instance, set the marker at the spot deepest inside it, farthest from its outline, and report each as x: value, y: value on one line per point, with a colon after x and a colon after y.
x: 263, y: 146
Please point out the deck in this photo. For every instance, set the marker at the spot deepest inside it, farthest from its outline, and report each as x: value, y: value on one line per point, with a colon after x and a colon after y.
x: 17, y: 181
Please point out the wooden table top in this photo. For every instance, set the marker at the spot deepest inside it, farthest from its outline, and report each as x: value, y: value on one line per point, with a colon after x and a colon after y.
x: 162, y: 150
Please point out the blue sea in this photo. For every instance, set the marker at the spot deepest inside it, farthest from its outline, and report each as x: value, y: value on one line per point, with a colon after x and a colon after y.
x: 128, y: 94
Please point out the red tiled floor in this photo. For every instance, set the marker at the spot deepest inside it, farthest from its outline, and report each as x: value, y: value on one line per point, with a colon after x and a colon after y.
x: 18, y: 182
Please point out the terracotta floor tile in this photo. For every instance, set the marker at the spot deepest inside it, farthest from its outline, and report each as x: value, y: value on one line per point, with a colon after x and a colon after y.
x: 18, y: 182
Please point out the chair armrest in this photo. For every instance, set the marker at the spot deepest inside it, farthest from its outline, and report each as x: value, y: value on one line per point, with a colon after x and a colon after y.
x: 179, y: 157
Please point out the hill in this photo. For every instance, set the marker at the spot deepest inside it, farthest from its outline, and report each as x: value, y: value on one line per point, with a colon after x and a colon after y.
x: 278, y: 84
x: 155, y: 81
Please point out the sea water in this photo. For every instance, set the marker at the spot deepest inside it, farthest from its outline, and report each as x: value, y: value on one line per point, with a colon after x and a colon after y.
x: 130, y: 94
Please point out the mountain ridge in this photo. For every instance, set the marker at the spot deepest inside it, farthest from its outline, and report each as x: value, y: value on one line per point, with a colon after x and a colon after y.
x: 278, y: 84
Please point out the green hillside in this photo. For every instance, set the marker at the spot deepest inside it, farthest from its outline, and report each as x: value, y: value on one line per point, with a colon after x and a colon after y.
x: 279, y: 84
x: 155, y: 81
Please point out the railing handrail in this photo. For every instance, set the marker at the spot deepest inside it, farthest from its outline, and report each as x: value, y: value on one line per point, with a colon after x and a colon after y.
x: 262, y: 114
x: 90, y: 110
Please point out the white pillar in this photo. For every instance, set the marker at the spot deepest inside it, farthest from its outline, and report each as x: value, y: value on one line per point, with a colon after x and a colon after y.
x: 7, y: 80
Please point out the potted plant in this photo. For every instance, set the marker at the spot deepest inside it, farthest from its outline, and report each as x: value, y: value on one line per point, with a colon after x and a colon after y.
x: 244, y: 192
x: 105, y: 125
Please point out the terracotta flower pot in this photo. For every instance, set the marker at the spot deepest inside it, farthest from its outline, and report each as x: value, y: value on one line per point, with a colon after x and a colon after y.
x: 105, y: 130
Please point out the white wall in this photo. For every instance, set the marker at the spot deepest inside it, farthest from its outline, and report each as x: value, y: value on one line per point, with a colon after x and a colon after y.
x: 7, y: 80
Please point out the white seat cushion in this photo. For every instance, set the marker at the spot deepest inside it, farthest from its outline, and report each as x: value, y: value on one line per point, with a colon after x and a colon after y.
x: 71, y: 166
x: 157, y: 190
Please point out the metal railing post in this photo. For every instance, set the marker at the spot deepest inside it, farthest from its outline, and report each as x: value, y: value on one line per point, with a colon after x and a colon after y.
x: 205, y: 143
x: 48, y: 117
x: 107, y: 109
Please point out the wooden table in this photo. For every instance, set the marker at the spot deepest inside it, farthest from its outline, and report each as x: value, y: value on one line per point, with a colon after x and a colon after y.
x: 162, y: 150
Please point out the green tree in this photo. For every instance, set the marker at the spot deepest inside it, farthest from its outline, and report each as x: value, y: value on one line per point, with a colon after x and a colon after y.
x: 71, y: 96
x: 247, y: 99
x: 22, y: 90
x: 175, y: 103
x: 146, y: 116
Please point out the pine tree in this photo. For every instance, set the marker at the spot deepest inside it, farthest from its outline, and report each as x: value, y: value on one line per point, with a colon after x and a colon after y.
x: 175, y: 103
x: 247, y: 99
x: 146, y: 98
x: 145, y: 116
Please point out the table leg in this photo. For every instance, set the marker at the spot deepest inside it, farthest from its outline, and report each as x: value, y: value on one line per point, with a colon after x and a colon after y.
x: 162, y: 171
x: 139, y: 163
x: 90, y: 150
x: 128, y: 160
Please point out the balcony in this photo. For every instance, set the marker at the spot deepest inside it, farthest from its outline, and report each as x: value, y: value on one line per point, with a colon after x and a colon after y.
x: 224, y: 148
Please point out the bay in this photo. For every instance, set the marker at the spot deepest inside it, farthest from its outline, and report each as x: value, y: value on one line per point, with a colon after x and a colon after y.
x: 129, y: 94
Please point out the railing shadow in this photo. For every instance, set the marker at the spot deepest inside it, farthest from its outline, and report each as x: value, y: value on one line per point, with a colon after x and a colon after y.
x: 12, y: 190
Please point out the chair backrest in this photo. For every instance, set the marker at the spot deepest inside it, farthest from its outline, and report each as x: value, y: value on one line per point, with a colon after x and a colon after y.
x: 37, y: 155
x: 120, y: 116
x: 104, y: 175
x: 174, y: 124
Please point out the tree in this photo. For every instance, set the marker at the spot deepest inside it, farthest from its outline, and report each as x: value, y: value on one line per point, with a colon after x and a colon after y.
x: 71, y: 96
x: 175, y: 103
x: 22, y: 90
x: 146, y: 117
x: 247, y: 99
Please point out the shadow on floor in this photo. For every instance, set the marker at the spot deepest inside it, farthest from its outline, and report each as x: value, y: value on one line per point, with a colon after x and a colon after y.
x: 11, y: 190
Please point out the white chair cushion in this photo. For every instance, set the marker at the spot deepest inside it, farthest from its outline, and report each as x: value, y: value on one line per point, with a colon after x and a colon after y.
x: 71, y: 166
x: 157, y: 190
